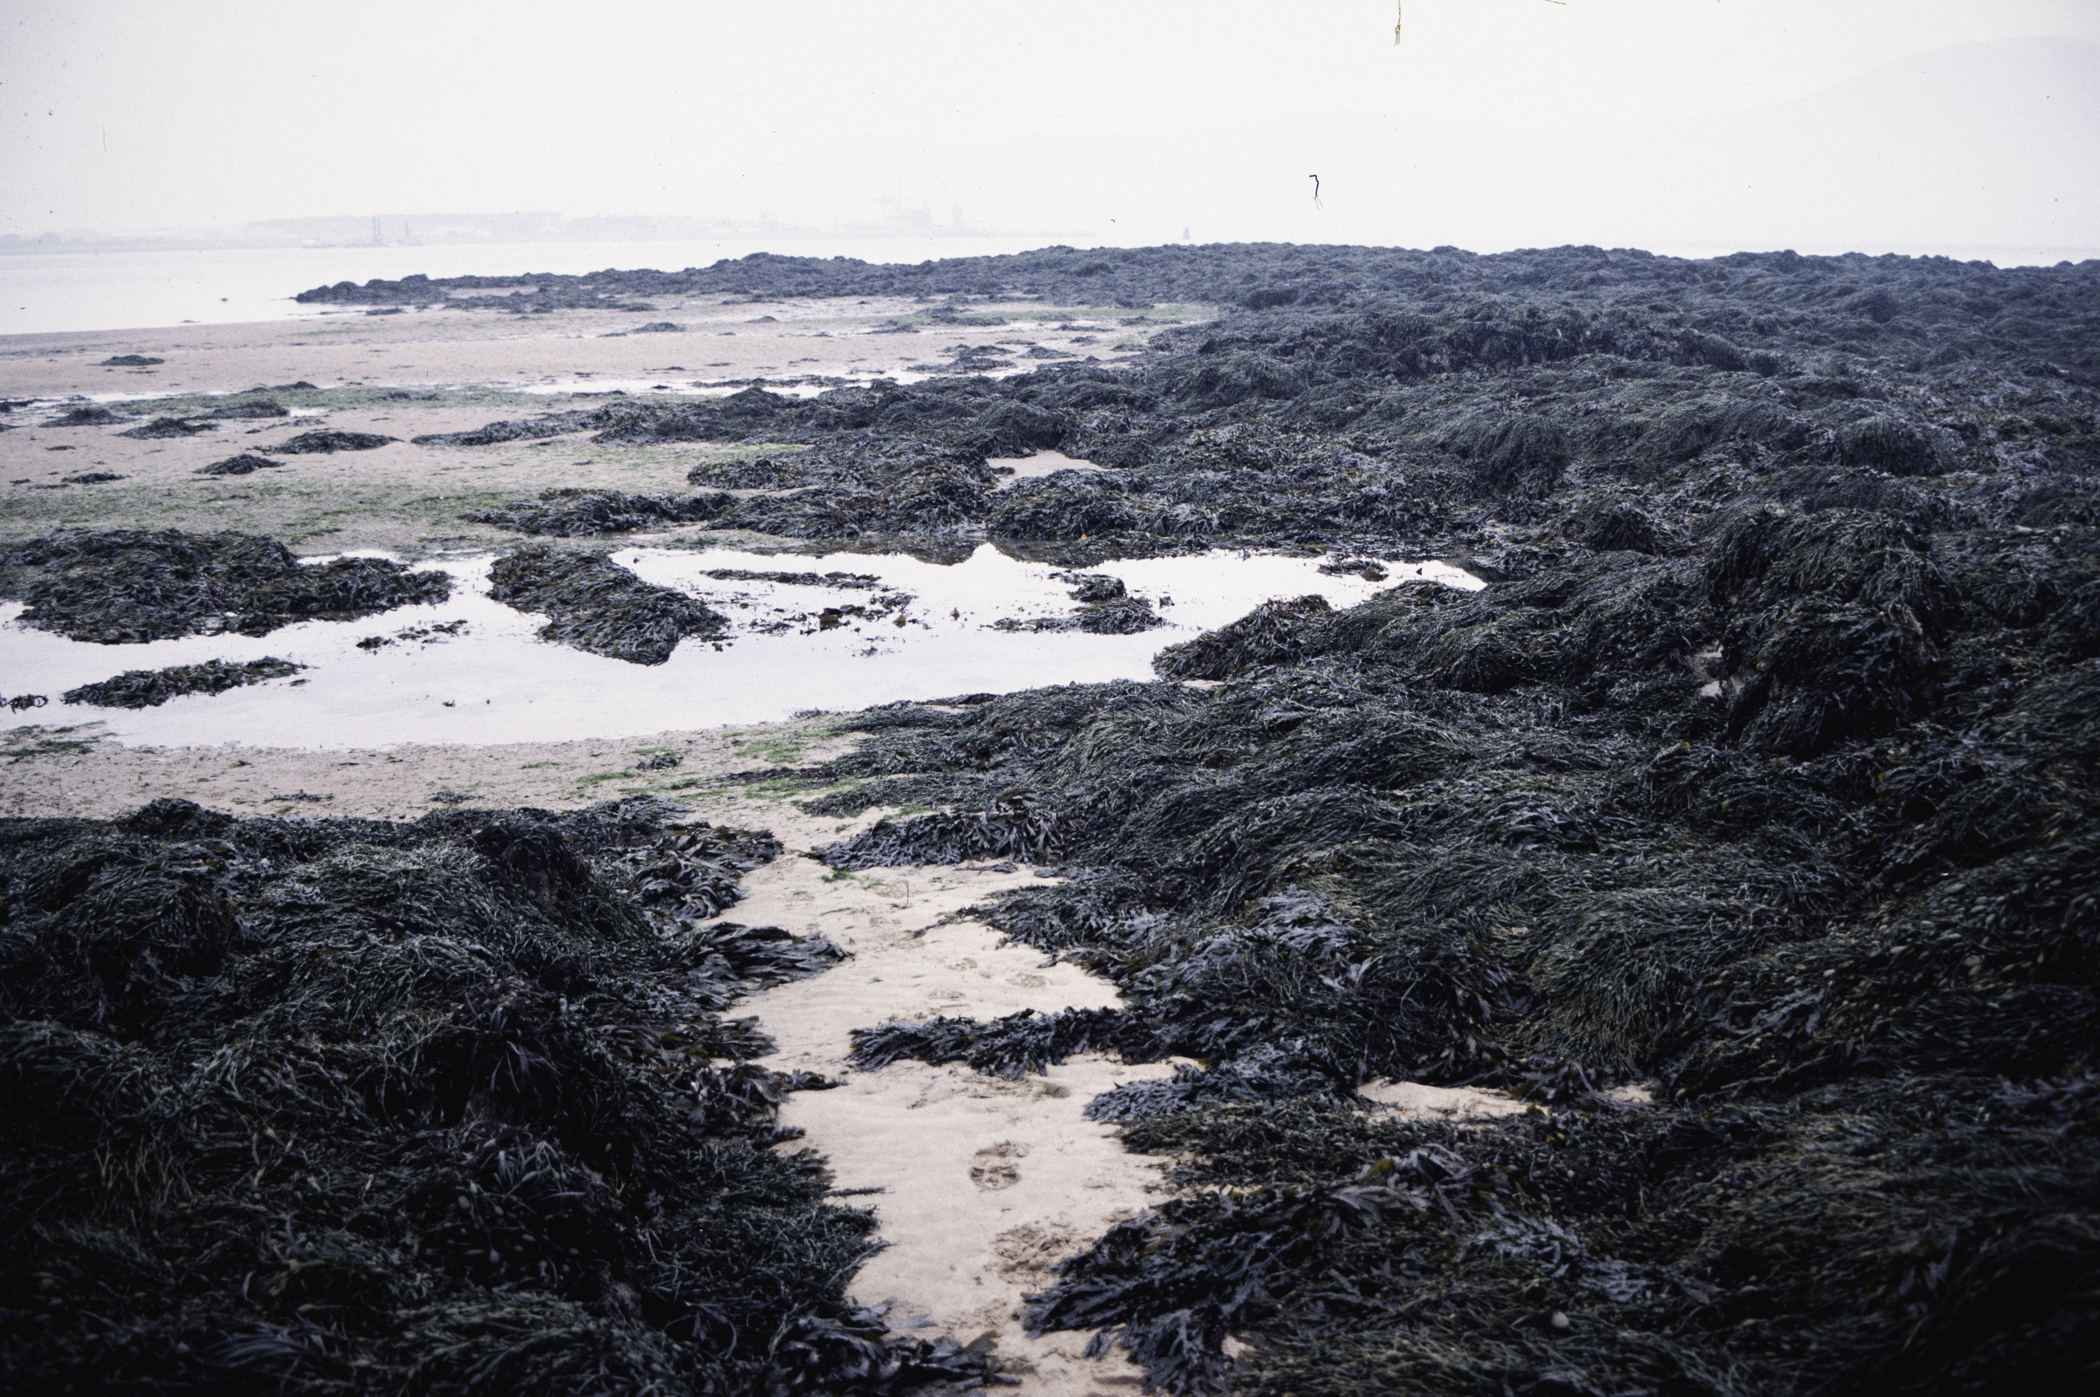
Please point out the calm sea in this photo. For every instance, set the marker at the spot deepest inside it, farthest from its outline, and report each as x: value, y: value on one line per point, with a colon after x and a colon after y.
x: 55, y: 291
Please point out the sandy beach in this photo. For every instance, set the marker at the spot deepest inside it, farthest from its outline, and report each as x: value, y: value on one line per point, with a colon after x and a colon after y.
x: 429, y: 372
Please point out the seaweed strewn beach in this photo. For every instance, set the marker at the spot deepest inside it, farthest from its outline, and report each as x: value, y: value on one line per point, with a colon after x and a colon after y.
x: 1743, y: 828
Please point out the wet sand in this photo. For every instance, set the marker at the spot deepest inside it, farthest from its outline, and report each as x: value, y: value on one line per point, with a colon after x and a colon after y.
x: 429, y: 372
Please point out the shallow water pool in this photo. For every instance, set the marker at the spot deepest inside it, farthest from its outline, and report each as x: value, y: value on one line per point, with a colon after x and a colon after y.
x: 928, y: 631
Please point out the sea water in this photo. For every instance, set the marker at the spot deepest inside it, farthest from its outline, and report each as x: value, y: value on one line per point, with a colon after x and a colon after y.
x: 492, y: 680
x: 48, y: 292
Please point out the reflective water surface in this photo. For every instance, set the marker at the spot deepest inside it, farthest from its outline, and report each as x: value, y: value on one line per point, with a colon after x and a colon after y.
x: 900, y: 629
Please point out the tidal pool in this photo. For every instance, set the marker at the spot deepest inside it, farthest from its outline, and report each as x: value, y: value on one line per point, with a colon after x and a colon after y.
x: 471, y: 670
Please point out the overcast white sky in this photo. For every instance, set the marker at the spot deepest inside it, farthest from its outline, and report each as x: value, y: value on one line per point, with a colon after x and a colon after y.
x: 1494, y: 122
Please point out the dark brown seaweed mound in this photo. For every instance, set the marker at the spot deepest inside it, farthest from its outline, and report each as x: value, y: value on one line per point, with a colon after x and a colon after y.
x: 570, y: 513
x: 452, y: 1107
x: 115, y: 586
x: 1106, y: 609
x: 94, y: 415
x: 165, y: 428
x: 599, y: 606
x: 149, y: 688
x: 1764, y: 776
x: 247, y: 463
x: 310, y: 443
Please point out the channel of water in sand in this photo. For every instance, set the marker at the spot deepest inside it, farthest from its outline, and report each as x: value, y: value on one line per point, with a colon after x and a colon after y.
x: 491, y: 680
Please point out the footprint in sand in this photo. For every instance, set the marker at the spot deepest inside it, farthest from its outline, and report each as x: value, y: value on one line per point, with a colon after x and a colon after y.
x: 1031, y: 1251
x: 995, y: 1168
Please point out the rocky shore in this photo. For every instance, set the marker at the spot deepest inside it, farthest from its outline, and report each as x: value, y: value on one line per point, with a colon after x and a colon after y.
x: 1745, y: 829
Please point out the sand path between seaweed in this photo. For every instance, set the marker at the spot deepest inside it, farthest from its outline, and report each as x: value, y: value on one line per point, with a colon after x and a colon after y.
x: 982, y: 1185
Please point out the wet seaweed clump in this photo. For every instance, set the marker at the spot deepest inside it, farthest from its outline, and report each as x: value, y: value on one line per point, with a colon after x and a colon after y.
x: 92, y: 478
x: 572, y: 513
x: 450, y: 1107
x: 324, y: 442
x: 1106, y: 608
x: 130, y: 361
x: 117, y: 586
x: 436, y: 633
x: 247, y: 463
x: 1273, y: 633
x: 90, y: 415
x: 149, y: 688
x: 596, y: 605
x: 781, y: 472
x: 168, y: 428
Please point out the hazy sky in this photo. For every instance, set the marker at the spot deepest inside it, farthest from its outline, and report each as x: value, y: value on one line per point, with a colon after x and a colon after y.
x: 1494, y: 121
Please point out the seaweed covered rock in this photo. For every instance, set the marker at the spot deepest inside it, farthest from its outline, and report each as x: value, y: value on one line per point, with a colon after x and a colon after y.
x: 1624, y: 528
x: 247, y: 463
x: 1106, y: 608
x: 518, y: 429
x: 1743, y: 826
x: 328, y: 441
x: 434, y: 1105
x: 1361, y: 860
x: 115, y: 586
x: 1564, y: 1247
x: 166, y: 428
x: 149, y: 688
x: 882, y: 485
x: 597, y: 605
x: 1833, y: 619
x: 90, y: 415
x: 1527, y: 452
x: 784, y: 472
x: 1892, y: 445
x: 1270, y: 634
x: 571, y: 513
